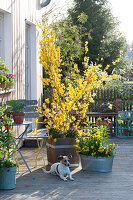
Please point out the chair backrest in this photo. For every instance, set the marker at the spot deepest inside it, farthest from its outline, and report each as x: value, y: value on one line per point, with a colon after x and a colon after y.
x: 125, y: 114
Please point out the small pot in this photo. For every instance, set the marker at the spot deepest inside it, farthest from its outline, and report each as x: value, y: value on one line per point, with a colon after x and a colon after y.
x: 118, y: 104
x: 18, y: 117
x: 2, y: 85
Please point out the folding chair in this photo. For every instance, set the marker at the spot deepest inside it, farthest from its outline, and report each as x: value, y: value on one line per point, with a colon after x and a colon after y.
x: 28, y: 133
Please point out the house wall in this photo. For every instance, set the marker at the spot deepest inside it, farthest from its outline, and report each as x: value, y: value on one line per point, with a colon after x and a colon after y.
x: 16, y: 14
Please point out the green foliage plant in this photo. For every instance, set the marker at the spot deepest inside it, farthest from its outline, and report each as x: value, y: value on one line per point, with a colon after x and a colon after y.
x: 69, y: 38
x: 16, y: 106
x: 91, y: 21
x: 6, y: 140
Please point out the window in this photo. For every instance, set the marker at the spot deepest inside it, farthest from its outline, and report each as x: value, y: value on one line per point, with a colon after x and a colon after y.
x: 1, y: 36
x: 6, y: 39
x: 30, y: 61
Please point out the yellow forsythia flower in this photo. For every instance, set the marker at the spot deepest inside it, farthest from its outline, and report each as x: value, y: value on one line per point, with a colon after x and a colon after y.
x: 36, y: 120
x: 66, y: 98
x: 55, y: 140
x: 110, y: 106
x: 113, y: 63
x: 47, y: 101
x: 34, y: 130
x: 115, y: 76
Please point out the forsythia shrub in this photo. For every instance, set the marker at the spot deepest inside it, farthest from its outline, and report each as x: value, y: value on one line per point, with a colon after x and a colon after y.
x: 70, y: 100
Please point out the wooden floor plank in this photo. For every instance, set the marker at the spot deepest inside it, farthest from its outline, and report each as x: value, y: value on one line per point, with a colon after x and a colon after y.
x: 117, y: 184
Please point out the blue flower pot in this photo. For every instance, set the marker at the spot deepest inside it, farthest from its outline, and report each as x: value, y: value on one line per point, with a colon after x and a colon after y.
x: 8, y: 178
x: 100, y: 164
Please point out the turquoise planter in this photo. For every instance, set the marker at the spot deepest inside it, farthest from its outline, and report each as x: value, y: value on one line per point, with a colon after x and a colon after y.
x: 8, y: 178
x: 100, y: 164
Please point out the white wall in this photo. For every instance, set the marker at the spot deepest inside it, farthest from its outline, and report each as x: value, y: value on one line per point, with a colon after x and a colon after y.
x: 16, y: 14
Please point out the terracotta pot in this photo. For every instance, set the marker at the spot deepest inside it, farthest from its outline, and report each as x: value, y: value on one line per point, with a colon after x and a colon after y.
x: 18, y: 117
x: 118, y: 104
x: 2, y: 85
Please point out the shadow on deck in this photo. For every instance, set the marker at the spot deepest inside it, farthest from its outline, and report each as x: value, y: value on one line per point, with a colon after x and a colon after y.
x: 87, y: 186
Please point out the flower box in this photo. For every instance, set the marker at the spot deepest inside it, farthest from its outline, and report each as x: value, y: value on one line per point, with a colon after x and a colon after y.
x: 62, y: 146
x: 99, y: 164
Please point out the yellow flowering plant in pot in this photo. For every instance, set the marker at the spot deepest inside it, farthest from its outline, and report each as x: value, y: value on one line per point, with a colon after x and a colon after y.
x: 95, y: 151
x: 69, y: 102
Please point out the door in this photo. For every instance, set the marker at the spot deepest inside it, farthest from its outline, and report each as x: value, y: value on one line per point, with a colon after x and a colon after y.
x: 28, y: 62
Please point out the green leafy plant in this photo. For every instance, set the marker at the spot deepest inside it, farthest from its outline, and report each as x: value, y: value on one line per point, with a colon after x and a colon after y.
x: 6, y: 140
x: 8, y: 163
x: 16, y: 106
x: 55, y: 133
x: 3, y: 66
x: 3, y: 78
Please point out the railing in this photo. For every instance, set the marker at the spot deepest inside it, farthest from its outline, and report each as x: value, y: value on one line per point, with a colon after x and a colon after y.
x: 105, y: 96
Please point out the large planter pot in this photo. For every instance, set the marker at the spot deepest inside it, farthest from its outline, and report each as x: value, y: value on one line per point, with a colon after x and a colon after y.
x: 18, y: 117
x: 100, y: 164
x: 8, y: 178
x: 62, y: 146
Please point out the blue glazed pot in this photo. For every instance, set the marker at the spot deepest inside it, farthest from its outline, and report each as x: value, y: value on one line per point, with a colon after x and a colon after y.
x: 8, y: 178
x: 100, y: 164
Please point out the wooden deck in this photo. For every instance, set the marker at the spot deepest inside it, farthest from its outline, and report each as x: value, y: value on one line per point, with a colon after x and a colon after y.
x: 117, y: 185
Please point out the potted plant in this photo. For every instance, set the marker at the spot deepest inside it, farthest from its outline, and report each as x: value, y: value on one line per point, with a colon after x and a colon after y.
x: 7, y: 163
x: 17, y: 111
x: 6, y: 79
x: 95, y: 152
x: 3, y: 81
x: 67, y: 107
x: 61, y: 143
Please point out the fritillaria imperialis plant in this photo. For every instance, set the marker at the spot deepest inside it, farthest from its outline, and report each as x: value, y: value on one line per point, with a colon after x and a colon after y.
x: 93, y: 141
